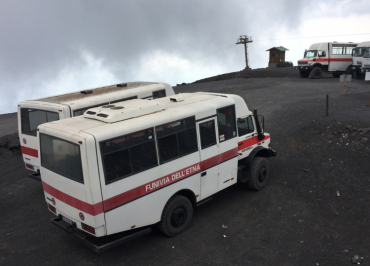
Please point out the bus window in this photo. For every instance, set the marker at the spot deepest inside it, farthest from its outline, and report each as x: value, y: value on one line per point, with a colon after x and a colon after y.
x: 128, y: 155
x: 62, y: 157
x: 226, y: 123
x: 245, y: 125
x: 176, y: 139
x: 338, y: 49
x: 32, y: 118
x: 207, y: 134
x: 159, y: 94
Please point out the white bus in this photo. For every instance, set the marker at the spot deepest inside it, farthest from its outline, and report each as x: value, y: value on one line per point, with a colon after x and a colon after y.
x: 358, y: 57
x: 330, y: 57
x: 137, y: 163
x: 365, y: 69
x: 32, y: 113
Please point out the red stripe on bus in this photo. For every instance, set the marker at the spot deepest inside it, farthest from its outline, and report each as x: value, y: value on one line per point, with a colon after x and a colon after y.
x: 92, y: 209
x: 150, y: 187
x: 30, y: 152
x: 327, y: 60
x: 210, y: 162
x: 142, y: 190
x: 250, y: 142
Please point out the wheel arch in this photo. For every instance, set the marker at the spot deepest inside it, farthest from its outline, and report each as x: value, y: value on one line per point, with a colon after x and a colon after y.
x: 187, y: 193
x: 317, y: 65
x: 257, y: 152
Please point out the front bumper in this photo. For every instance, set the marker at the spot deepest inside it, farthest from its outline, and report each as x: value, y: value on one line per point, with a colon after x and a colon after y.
x: 305, y: 68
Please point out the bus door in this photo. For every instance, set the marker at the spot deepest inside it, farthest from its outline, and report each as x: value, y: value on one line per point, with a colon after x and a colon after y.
x: 247, y: 136
x: 228, y: 146
x: 208, y: 147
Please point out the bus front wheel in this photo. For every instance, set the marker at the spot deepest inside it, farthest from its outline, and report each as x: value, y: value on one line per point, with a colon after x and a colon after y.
x: 315, y: 73
x: 176, y: 216
x: 259, y: 173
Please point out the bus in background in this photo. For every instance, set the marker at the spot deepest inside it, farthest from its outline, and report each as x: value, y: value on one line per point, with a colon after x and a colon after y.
x: 32, y: 113
x: 365, y: 69
x: 358, y: 57
x: 328, y: 57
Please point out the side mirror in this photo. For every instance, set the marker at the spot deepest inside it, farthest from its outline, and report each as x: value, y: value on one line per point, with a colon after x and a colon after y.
x: 261, y: 119
x: 353, y: 52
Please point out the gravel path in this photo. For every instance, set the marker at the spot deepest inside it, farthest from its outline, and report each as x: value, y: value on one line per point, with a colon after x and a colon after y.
x: 314, y: 211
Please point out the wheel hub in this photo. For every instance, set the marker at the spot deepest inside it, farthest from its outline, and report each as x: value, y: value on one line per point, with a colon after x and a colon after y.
x: 262, y: 174
x: 178, y: 216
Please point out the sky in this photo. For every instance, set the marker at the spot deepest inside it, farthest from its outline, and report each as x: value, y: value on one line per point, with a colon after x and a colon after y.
x: 52, y: 47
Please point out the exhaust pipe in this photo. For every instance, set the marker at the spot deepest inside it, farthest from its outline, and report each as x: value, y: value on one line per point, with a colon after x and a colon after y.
x: 261, y: 136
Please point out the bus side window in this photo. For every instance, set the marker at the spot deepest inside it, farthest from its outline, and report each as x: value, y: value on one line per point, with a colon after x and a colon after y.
x: 338, y: 49
x: 128, y: 155
x: 226, y: 123
x: 159, y: 94
x: 245, y: 125
x: 176, y: 139
x: 207, y: 134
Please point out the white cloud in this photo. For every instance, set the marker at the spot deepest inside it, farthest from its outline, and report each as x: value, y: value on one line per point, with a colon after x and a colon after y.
x: 174, y: 69
x: 92, y: 72
x: 87, y: 72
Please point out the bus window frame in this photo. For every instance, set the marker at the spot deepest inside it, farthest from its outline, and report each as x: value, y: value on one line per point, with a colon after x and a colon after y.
x: 30, y: 134
x: 75, y: 144
x: 178, y: 156
x: 126, y: 148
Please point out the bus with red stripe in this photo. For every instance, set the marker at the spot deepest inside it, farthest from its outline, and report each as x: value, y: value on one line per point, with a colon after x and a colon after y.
x: 326, y: 57
x: 32, y: 113
x: 123, y: 167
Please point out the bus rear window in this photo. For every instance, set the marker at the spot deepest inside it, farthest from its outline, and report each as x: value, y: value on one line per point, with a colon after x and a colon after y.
x: 61, y: 157
x: 32, y: 118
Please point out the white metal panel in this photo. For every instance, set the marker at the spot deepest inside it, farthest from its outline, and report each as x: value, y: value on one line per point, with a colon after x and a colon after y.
x: 73, y: 197
x: 147, y: 210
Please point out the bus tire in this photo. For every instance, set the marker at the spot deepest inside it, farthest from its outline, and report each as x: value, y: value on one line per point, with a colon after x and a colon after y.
x: 315, y: 73
x: 176, y: 216
x: 259, y: 174
x: 303, y: 74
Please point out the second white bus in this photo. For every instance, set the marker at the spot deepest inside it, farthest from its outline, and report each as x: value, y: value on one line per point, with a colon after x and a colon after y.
x: 32, y: 113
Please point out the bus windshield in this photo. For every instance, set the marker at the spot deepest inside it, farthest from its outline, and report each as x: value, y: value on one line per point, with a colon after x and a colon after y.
x: 367, y: 53
x: 359, y: 51
x: 32, y: 118
x: 61, y: 157
x: 310, y: 53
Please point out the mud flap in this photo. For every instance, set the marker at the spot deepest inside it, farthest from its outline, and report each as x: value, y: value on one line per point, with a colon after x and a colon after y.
x: 35, y: 176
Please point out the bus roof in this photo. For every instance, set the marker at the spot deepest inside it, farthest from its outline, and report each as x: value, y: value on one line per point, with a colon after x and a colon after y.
x: 80, y: 95
x: 324, y: 45
x: 181, y: 106
x: 364, y: 44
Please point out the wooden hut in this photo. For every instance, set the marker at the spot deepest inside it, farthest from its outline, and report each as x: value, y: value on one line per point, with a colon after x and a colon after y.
x: 277, y: 55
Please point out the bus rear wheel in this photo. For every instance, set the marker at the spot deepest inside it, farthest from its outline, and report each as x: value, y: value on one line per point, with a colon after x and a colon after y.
x: 176, y: 216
